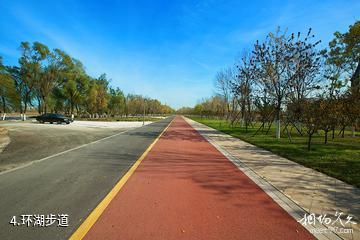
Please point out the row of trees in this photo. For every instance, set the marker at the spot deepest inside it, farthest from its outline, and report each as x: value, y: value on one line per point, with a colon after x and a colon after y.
x: 289, y: 81
x: 53, y: 81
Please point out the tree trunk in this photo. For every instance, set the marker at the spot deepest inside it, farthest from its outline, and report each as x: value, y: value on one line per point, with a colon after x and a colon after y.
x: 71, y: 107
x: 353, y: 131
x: 355, y: 78
x: 25, y: 107
x: 268, y: 129
x: 4, y: 108
x: 20, y: 105
x: 228, y: 111
x: 26, y: 100
x: 326, y: 136
x: 278, y: 125
x: 278, y: 129
x: 243, y: 112
x: 24, y: 113
x: 45, y: 104
x: 309, y: 140
x: 3, y: 104
x: 248, y: 119
x: 39, y: 105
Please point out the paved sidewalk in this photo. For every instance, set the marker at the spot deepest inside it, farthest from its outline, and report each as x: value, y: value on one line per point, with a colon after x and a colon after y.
x: 311, y: 190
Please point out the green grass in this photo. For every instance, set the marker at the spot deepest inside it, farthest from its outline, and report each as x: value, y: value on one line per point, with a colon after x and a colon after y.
x: 339, y: 158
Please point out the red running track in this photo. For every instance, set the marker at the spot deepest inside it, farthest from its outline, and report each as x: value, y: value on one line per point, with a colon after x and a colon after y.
x: 186, y: 189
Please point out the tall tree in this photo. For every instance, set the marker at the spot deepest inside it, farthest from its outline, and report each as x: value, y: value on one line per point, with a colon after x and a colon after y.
x: 76, y: 85
x: 102, y: 93
x: 8, y: 96
x: 344, y: 56
x: 116, y: 102
x: 224, y: 87
x: 58, y: 70
x: 30, y: 71
x: 281, y: 61
x: 345, y: 53
x: 243, y: 87
x: 91, y: 98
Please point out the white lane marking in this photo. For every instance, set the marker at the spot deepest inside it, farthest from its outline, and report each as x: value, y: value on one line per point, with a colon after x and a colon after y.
x: 60, y: 153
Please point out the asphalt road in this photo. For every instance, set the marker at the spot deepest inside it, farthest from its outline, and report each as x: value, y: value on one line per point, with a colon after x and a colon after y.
x: 32, y: 141
x: 72, y: 183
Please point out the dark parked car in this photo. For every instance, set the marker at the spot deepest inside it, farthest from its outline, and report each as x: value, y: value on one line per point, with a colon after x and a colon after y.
x: 52, y: 117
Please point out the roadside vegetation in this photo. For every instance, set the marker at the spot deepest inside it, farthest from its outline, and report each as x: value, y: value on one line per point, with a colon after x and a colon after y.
x: 340, y: 158
x: 51, y: 81
x: 291, y: 97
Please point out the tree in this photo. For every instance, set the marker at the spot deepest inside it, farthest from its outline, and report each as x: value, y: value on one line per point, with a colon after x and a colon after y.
x: 97, y: 96
x: 76, y: 85
x: 102, y: 85
x: 265, y: 108
x: 345, y: 53
x: 224, y: 87
x: 283, y: 60
x: 310, y: 118
x: 134, y: 104
x: 326, y: 109
x: 8, y: 96
x: 242, y: 88
x: 116, y: 102
x: 54, y: 74
x: 165, y: 109
x: 198, y: 109
x: 91, y: 99
x: 30, y: 71
x: 344, y: 57
x: 271, y: 59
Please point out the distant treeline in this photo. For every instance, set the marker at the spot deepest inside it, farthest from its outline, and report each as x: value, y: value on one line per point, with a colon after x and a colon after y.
x: 287, y: 78
x: 53, y: 81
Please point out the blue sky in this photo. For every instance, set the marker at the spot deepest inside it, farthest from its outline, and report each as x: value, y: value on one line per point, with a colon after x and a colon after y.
x: 170, y: 50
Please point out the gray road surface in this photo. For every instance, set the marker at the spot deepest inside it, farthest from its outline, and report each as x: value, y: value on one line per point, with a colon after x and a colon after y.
x: 32, y: 141
x: 72, y: 183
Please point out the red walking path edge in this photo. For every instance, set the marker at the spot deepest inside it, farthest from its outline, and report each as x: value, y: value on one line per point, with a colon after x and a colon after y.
x: 186, y: 189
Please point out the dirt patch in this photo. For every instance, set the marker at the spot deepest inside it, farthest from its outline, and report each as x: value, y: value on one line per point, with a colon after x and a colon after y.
x: 26, y: 142
x: 4, y: 138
